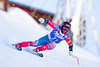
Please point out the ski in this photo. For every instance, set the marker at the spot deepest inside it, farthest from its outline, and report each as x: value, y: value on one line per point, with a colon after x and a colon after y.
x: 28, y: 50
x: 38, y: 54
x: 33, y: 52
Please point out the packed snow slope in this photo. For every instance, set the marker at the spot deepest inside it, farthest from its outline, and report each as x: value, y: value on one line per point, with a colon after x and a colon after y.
x: 17, y: 26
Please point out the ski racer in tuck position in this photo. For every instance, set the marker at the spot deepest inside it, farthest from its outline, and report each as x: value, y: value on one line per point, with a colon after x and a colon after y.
x: 49, y: 41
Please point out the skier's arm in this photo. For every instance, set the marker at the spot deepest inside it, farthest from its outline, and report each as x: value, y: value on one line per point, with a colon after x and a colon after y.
x: 68, y: 40
x: 53, y: 25
x: 70, y: 44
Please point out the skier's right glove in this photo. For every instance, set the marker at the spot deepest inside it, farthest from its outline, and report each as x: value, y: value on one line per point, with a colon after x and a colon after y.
x: 70, y: 53
x: 41, y: 20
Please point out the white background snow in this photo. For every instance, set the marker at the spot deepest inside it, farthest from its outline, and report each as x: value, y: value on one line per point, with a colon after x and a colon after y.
x: 17, y: 26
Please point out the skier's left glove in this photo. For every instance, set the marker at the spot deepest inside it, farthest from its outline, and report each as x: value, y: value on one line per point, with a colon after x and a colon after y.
x: 70, y: 50
x: 41, y: 20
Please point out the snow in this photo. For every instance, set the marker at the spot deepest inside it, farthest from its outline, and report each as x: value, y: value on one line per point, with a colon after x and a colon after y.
x: 17, y: 26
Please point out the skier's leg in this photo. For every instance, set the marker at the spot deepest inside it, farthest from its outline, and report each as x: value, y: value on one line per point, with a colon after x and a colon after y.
x: 45, y: 47
x: 25, y: 44
x: 41, y: 41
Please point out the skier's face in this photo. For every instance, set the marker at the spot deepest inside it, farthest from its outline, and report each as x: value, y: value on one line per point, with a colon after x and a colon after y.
x: 65, y: 30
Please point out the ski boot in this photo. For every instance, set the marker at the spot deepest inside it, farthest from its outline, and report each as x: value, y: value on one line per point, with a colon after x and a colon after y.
x: 36, y: 51
x: 17, y: 46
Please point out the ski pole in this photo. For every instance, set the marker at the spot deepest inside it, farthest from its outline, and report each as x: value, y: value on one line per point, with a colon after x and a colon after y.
x: 27, y: 12
x: 76, y: 58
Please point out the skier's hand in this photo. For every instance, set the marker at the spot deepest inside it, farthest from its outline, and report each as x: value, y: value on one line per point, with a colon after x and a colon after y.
x: 41, y: 20
x: 70, y: 53
x: 70, y: 50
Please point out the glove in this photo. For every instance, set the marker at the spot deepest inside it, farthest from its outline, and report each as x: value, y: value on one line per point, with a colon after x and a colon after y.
x: 70, y: 50
x: 41, y: 20
x: 70, y: 53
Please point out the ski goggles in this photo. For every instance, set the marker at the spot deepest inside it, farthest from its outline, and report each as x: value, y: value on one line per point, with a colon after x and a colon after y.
x: 65, y: 29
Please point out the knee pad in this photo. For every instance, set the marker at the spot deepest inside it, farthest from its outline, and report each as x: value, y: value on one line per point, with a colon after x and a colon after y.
x: 51, y: 45
x: 35, y: 44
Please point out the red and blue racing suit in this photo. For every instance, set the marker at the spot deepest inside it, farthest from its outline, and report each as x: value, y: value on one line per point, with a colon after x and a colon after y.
x: 50, y: 40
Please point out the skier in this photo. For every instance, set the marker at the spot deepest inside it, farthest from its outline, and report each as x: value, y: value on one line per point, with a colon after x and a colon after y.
x: 50, y: 40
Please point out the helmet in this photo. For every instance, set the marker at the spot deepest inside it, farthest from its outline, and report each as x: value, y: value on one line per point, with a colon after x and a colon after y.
x: 66, y: 25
